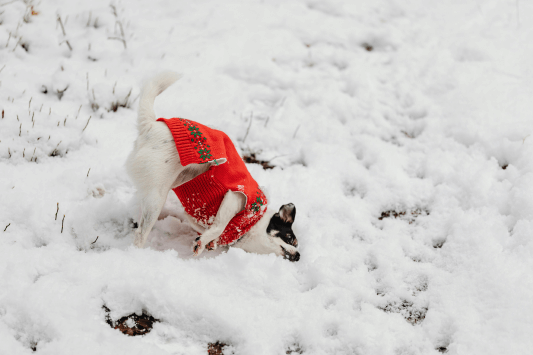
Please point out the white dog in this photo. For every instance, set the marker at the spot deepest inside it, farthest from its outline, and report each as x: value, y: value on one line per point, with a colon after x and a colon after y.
x: 222, y: 201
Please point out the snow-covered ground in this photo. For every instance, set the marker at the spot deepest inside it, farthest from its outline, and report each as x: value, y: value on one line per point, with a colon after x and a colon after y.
x: 401, y: 130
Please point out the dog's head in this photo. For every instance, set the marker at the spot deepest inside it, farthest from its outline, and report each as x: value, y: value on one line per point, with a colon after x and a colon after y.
x: 280, y: 230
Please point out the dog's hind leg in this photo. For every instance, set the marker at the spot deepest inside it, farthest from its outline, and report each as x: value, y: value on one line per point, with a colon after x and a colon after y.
x: 151, y: 203
x: 153, y: 167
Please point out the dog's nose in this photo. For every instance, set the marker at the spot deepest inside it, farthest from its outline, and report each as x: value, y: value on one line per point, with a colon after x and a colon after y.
x: 294, y: 257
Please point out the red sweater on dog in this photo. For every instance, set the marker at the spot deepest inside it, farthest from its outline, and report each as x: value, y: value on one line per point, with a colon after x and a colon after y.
x: 202, y: 196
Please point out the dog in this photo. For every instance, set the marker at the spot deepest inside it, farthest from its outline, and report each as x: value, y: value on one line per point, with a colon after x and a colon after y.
x: 223, y: 203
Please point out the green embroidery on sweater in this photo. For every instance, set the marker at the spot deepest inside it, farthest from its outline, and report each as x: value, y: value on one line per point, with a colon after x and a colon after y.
x: 256, y: 206
x: 200, y: 142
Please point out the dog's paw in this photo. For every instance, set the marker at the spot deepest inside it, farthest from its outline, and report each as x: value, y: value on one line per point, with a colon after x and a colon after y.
x: 212, y: 245
x: 198, y: 248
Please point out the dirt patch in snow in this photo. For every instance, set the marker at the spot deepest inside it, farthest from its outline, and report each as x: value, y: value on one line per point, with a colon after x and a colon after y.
x: 215, y: 348
x: 133, y: 324
x: 410, y: 216
x: 251, y: 159
x: 411, y: 313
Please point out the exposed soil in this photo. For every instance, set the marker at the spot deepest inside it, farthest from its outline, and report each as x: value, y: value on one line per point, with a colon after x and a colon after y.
x: 215, y: 348
x: 143, y: 323
x: 251, y: 159
x: 411, y: 314
x: 410, y: 216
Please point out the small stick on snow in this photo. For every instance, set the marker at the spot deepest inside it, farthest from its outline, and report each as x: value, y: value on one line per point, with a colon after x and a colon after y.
x: 87, y: 81
x: 88, y: 172
x: 20, y: 128
x: 9, y: 151
x: 127, y: 97
x: 78, y: 112
x: 250, y: 125
x: 4, y: 64
x: 95, y: 240
x: 119, y: 39
x: 86, y: 124
x: 7, y: 226
x: 57, y: 210
x: 16, y: 44
x: 65, y: 121
x: 8, y: 38
x: 89, y: 20
x: 62, y: 223
x: 41, y: 107
x: 294, y: 135
x: 114, y: 86
x: 61, y: 23
x: 24, y: 153
x: 29, y: 103
x: 64, y: 33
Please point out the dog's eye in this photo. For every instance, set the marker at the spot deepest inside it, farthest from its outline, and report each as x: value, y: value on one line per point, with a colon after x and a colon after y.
x: 290, y: 239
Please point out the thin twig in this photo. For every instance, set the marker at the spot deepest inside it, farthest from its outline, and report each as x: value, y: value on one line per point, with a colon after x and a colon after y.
x: 88, y: 172
x: 294, y: 135
x: 7, y: 226
x: 57, y: 210
x: 16, y: 45
x: 87, y: 123
x: 61, y: 24
x: 2, y: 68
x: 78, y: 112
x: 250, y: 125
x: 127, y: 97
x: 64, y: 33
x: 95, y: 239
x: 62, y: 223
x: 119, y: 39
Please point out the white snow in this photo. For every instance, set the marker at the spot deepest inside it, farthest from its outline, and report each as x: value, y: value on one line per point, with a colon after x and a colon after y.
x: 409, y: 108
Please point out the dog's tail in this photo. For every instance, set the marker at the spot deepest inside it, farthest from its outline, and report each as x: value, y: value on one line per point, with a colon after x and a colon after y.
x: 150, y: 91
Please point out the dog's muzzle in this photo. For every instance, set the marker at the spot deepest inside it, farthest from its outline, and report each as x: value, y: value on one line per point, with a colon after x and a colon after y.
x: 292, y: 257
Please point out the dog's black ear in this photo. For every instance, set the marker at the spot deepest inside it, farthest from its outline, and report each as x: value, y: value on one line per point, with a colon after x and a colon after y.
x: 287, y: 213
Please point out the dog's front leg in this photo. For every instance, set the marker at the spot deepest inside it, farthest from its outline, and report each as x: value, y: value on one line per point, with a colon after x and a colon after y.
x: 232, y: 204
